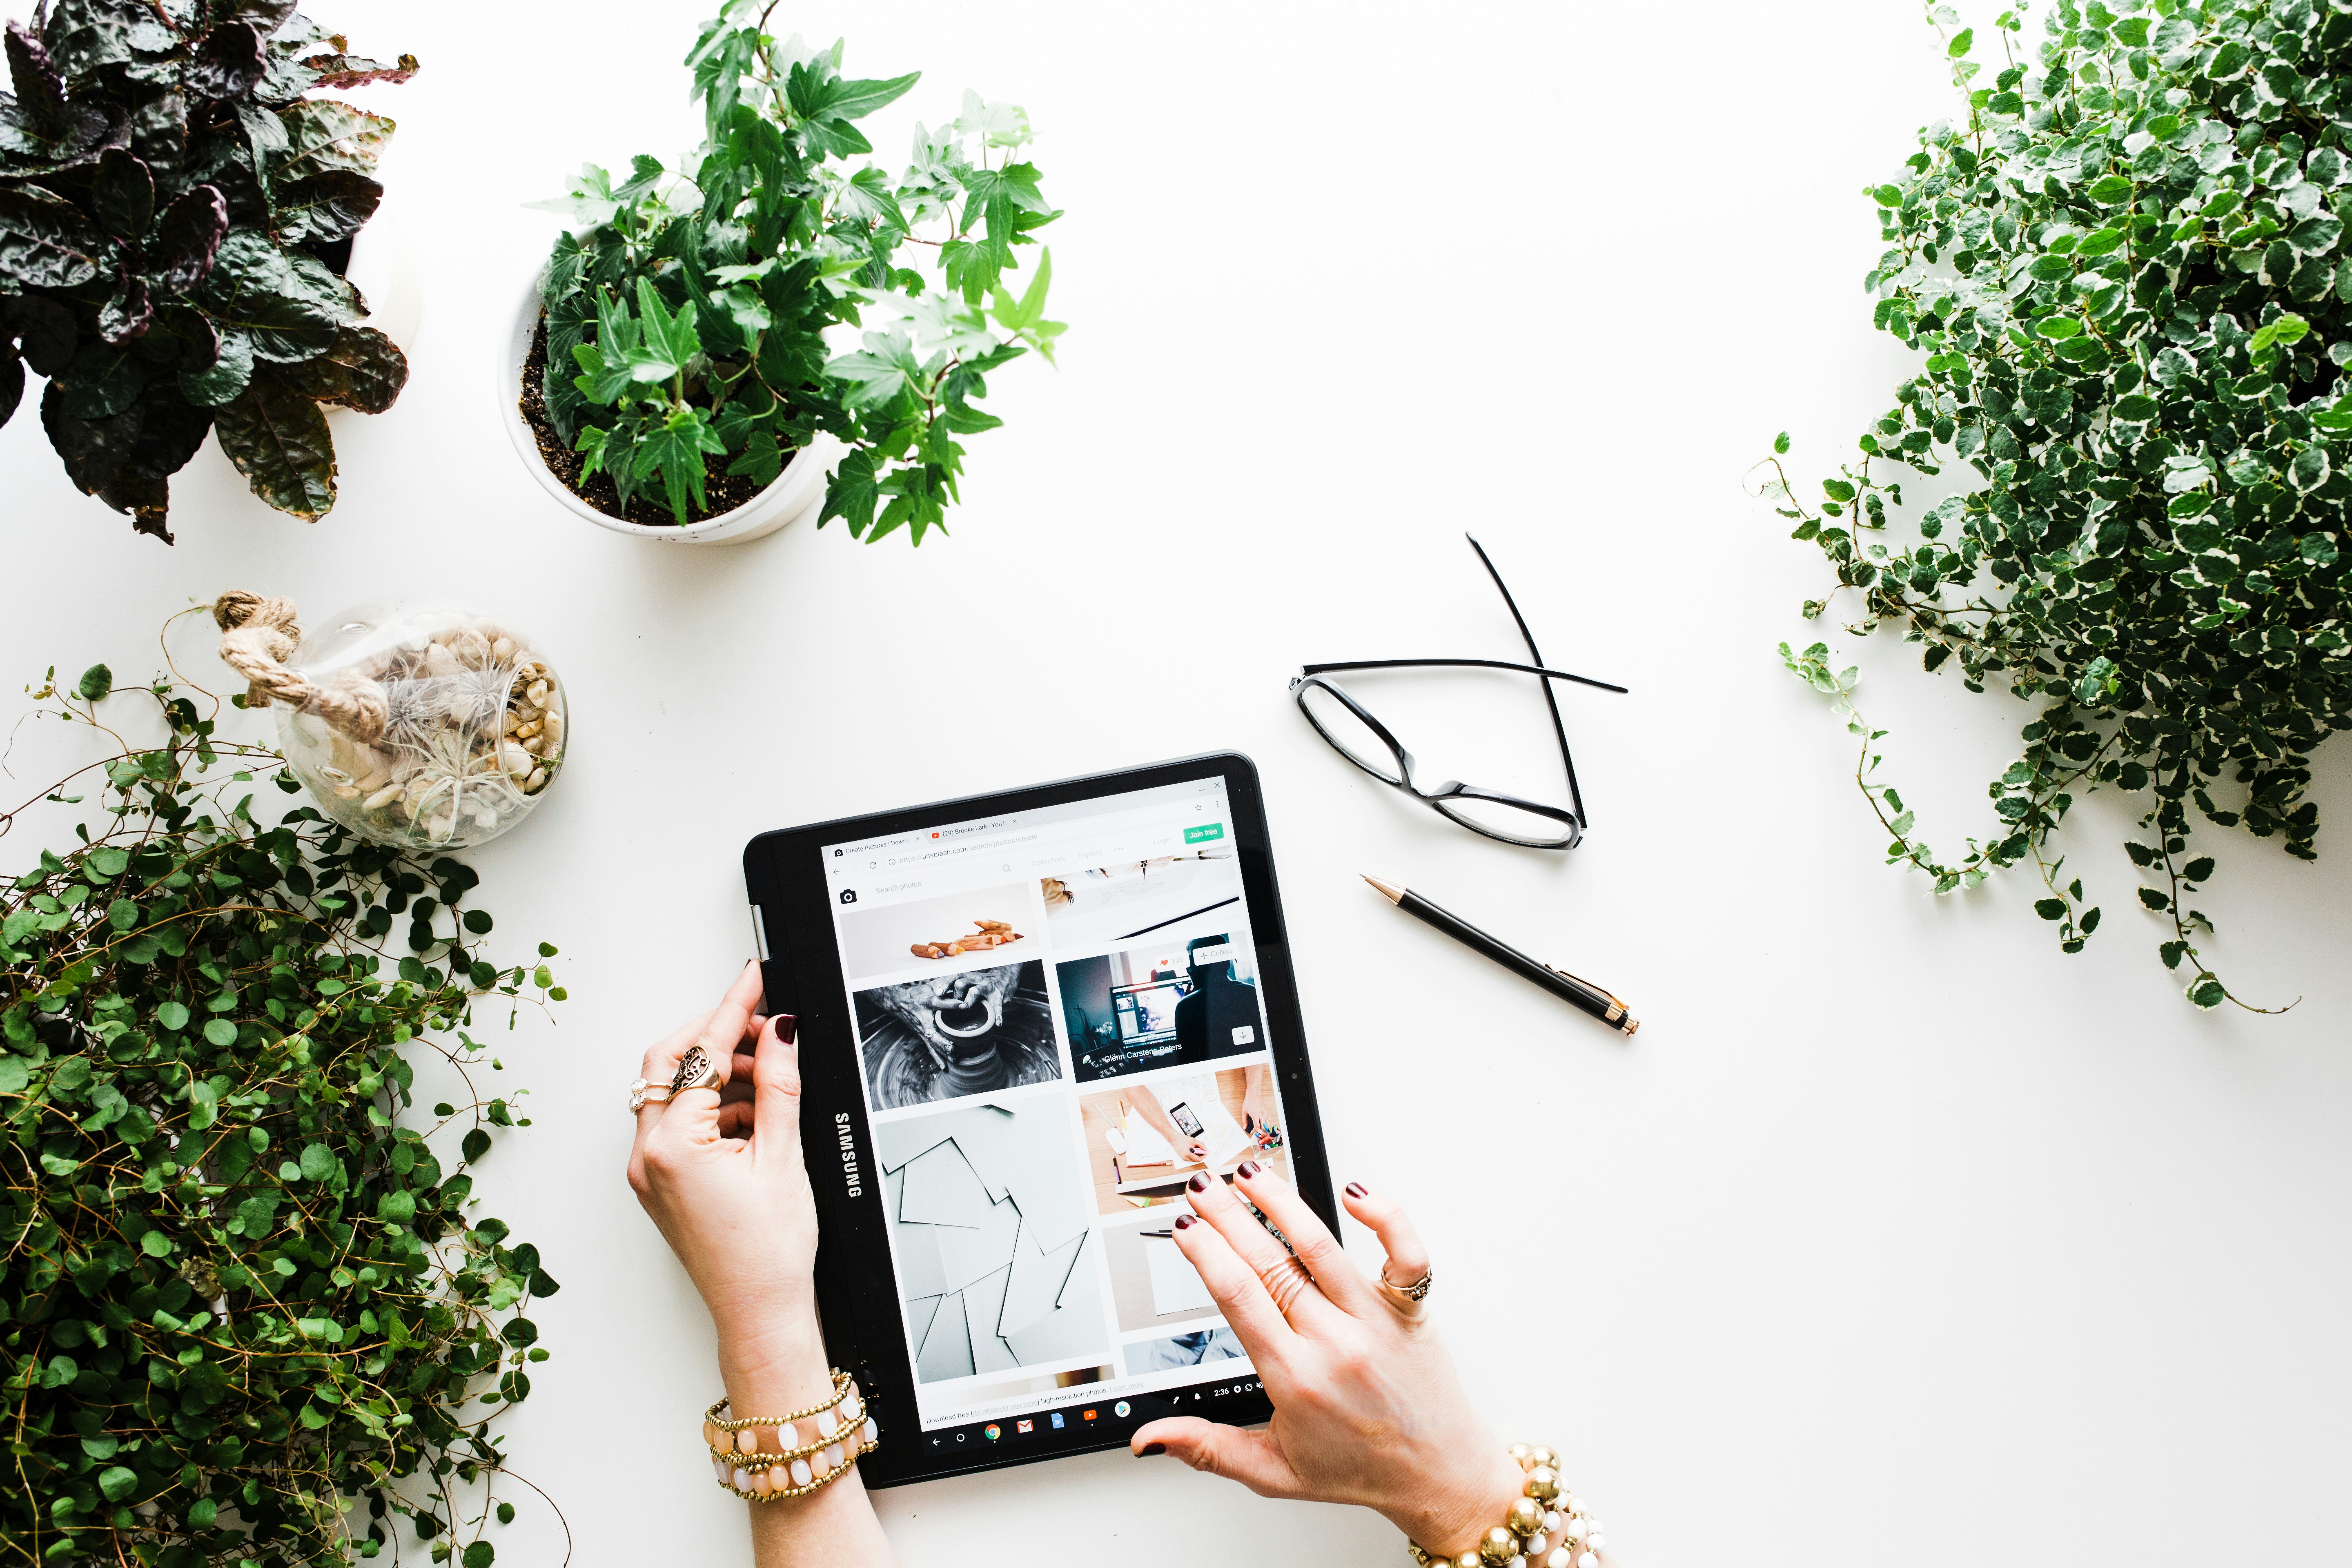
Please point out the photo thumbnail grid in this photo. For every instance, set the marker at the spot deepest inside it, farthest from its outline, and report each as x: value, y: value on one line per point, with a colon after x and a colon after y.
x: 1000, y: 973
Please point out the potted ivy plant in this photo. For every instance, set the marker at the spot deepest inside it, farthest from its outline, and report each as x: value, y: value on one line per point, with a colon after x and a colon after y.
x: 175, y: 214
x: 667, y: 370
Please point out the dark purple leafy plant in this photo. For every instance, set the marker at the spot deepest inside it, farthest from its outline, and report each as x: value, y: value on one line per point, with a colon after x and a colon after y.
x: 174, y: 212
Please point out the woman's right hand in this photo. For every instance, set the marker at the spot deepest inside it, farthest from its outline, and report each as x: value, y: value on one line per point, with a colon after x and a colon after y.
x: 1368, y: 1408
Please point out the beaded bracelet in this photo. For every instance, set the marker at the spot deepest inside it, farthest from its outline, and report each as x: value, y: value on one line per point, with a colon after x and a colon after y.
x: 748, y: 1467
x: 1545, y: 1516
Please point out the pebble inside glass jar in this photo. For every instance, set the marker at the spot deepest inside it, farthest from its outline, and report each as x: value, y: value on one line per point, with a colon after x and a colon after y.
x: 472, y: 731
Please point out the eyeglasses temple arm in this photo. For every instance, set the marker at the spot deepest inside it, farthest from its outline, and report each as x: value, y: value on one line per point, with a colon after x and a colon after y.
x: 1470, y: 663
x: 1575, y: 795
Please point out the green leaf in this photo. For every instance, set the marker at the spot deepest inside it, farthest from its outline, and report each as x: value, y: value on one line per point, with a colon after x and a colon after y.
x: 323, y: 134
x: 2112, y: 191
x: 278, y: 440
x: 118, y: 1482
x: 676, y: 449
x: 330, y: 206
x: 670, y: 343
x: 45, y: 243
x: 96, y: 682
x: 220, y: 1032
x: 317, y: 1162
x: 853, y: 493
x: 226, y: 378
x: 2051, y: 909
x: 363, y: 369
x: 856, y: 101
x: 1960, y: 43
x: 479, y: 1554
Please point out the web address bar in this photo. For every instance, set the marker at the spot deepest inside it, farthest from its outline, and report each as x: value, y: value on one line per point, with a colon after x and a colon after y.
x: 1092, y: 839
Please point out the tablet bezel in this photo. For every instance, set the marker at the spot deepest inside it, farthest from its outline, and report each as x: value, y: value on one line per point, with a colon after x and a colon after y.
x: 784, y: 877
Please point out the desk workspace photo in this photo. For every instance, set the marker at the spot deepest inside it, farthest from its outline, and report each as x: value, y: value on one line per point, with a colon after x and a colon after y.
x: 795, y: 786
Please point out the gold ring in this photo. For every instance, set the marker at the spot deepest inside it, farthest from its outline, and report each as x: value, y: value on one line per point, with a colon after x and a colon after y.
x: 1414, y: 1292
x: 694, y: 1071
x: 1287, y: 1283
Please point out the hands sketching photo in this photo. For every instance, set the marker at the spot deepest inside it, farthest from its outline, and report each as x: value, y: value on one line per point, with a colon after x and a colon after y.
x: 1368, y: 1408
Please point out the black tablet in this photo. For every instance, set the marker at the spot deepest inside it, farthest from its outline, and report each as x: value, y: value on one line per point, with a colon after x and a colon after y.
x: 1026, y: 1021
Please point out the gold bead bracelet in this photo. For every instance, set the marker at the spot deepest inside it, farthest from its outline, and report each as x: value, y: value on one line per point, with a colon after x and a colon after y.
x: 1546, y: 1528
x: 845, y: 1434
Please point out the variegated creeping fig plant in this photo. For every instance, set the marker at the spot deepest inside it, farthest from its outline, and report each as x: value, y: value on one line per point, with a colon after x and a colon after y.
x: 171, y: 203
x: 246, y: 1318
x: 2123, y: 263
x: 686, y: 314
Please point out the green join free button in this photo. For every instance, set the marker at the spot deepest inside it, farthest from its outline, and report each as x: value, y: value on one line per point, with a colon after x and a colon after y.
x: 1215, y: 830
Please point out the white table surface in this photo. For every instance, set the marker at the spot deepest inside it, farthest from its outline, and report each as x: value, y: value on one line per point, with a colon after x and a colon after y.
x: 1897, y: 1236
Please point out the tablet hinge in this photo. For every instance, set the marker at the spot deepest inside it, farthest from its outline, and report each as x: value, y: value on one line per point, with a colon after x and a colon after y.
x: 759, y: 932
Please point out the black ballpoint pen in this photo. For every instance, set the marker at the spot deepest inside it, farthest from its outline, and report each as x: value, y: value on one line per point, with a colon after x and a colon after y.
x: 1559, y: 982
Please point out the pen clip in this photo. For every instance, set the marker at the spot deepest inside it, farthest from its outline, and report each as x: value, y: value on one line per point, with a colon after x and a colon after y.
x: 1617, y: 1009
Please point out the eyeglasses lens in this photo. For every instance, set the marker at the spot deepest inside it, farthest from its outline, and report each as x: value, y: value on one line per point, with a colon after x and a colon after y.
x: 1354, y: 738
x: 1505, y: 821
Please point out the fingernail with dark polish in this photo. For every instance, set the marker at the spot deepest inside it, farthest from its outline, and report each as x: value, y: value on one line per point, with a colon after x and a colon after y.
x: 1153, y: 1450
x: 1247, y: 1169
x: 1356, y: 1190
x: 1181, y: 1221
x: 1199, y: 1184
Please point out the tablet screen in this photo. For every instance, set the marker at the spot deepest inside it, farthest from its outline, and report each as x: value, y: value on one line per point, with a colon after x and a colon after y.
x: 1058, y: 1024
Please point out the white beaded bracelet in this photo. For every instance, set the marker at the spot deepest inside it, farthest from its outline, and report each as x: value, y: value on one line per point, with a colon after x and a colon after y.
x: 747, y: 1466
x: 1547, y: 1525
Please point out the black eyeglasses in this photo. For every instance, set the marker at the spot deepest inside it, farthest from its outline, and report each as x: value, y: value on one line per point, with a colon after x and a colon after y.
x: 1364, y: 740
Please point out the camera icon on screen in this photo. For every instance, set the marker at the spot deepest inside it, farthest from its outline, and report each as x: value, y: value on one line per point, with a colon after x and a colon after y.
x: 848, y: 895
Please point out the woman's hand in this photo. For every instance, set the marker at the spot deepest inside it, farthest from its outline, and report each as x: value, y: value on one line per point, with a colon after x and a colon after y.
x: 1367, y: 1406
x: 719, y: 1171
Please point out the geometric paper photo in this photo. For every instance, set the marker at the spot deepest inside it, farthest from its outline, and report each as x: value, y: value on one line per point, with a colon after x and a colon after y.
x: 988, y: 1222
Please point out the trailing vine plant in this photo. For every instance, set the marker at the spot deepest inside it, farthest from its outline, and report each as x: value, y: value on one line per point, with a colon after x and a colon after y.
x: 245, y: 1317
x: 2122, y: 264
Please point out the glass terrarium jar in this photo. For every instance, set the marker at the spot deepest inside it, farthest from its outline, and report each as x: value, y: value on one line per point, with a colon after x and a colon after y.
x: 430, y: 726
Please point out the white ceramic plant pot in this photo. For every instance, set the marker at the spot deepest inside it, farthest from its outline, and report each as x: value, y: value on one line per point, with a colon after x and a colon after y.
x: 798, y: 492
x: 384, y: 269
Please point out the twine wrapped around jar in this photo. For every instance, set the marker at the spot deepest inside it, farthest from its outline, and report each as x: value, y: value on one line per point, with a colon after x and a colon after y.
x: 422, y: 726
x: 259, y: 636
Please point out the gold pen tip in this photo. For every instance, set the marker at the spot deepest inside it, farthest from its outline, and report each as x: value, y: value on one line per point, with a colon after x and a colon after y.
x: 1387, y: 890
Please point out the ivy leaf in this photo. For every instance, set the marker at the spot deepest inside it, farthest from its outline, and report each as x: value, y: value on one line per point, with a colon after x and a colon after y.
x: 676, y: 447
x: 853, y: 493
x: 96, y: 682
x: 278, y: 440
x: 856, y: 99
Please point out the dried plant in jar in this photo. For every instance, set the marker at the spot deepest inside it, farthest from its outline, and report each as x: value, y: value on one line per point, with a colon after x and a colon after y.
x: 420, y: 726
